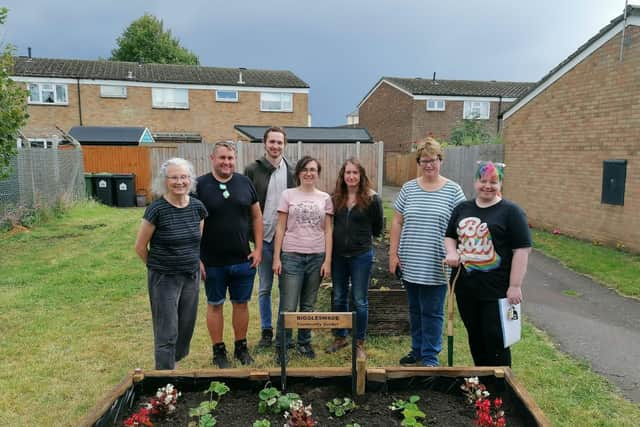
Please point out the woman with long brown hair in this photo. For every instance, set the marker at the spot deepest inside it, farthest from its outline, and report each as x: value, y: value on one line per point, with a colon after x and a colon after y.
x: 358, y: 217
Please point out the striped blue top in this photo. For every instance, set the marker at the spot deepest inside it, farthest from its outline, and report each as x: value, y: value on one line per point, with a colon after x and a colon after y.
x: 425, y: 218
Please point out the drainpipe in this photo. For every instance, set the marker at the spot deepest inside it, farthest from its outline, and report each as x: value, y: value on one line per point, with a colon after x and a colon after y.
x: 79, y: 100
x: 499, y: 116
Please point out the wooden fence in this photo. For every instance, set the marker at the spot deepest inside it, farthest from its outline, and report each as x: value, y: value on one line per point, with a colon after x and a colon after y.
x: 459, y: 165
x: 145, y: 161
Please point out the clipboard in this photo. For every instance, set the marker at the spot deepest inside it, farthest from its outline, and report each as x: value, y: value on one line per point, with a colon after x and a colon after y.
x: 511, y: 321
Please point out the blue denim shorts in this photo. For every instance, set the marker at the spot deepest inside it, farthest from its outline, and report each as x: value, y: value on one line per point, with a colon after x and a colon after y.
x: 238, y: 278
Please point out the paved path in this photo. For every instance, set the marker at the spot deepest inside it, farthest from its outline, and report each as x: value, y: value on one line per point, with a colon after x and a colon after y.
x: 596, y: 325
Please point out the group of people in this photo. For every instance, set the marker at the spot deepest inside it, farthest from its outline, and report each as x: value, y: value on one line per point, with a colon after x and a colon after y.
x: 223, y: 227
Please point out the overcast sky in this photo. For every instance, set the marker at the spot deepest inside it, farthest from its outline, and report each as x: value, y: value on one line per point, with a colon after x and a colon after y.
x: 341, y: 48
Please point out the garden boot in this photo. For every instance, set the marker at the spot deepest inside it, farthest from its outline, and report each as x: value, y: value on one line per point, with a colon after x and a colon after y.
x: 267, y: 338
x: 360, y: 354
x: 337, y: 344
x: 241, y: 352
x: 220, y: 356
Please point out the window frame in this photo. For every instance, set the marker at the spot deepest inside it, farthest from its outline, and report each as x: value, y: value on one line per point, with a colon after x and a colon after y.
x: 50, y: 87
x: 107, y: 95
x: 169, y: 104
x: 467, y: 113
x: 435, y: 107
x: 229, y: 91
x: 283, y: 102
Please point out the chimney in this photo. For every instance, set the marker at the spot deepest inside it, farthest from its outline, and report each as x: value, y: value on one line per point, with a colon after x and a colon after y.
x: 434, y: 76
x: 29, y: 52
x: 240, y: 80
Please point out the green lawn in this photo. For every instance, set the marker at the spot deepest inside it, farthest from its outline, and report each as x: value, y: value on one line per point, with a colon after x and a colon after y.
x: 74, y: 319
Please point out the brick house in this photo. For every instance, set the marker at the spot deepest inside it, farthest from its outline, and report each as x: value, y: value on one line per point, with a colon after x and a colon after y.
x: 571, y: 144
x: 400, y: 111
x: 177, y: 103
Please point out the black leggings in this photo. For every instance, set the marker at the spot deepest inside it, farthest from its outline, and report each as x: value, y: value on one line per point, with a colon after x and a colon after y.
x: 482, y: 321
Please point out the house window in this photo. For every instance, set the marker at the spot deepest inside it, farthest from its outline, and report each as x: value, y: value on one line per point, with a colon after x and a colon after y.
x: 476, y: 110
x: 227, y: 95
x: 47, y: 93
x: 108, y: 91
x: 435, y: 104
x: 170, y: 98
x: 276, y: 101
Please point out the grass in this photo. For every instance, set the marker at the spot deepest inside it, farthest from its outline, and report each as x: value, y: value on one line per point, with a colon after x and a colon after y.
x: 613, y: 268
x: 74, y: 319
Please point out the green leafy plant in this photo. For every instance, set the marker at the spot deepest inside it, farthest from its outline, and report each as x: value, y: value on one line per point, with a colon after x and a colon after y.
x: 340, y: 407
x: 262, y: 423
x: 409, y: 410
x: 272, y: 400
x: 204, y: 411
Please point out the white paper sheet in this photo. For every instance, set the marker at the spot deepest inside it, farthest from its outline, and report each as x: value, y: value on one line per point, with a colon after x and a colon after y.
x: 511, y: 320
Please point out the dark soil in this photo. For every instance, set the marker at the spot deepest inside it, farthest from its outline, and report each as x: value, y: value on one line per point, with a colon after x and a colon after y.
x: 380, y: 275
x: 240, y: 407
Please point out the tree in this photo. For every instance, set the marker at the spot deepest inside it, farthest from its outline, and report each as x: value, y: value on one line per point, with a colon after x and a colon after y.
x: 146, y: 40
x: 13, y: 105
x: 472, y: 132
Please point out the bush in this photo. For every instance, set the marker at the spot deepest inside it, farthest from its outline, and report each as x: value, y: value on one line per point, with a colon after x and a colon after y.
x: 28, y: 216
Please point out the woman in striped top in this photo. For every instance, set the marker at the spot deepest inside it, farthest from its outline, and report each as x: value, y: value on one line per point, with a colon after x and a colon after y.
x: 422, y: 211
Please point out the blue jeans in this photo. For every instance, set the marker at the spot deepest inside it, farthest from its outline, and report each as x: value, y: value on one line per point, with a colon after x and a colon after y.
x: 357, y: 270
x: 174, y: 308
x: 298, y: 283
x: 265, y: 276
x: 426, y: 316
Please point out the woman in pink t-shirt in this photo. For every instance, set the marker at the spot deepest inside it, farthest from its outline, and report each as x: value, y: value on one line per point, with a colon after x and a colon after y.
x: 302, y: 249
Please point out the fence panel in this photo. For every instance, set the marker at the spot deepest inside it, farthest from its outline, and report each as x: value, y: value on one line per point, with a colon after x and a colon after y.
x: 135, y: 160
x: 459, y: 165
x: 330, y: 157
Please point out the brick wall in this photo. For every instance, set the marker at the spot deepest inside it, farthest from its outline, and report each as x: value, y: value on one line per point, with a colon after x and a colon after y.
x: 441, y: 123
x: 213, y: 120
x: 387, y: 114
x: 555, y: 146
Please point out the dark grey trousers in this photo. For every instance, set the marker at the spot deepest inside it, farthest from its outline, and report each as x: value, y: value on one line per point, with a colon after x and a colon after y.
x: 174, y: 308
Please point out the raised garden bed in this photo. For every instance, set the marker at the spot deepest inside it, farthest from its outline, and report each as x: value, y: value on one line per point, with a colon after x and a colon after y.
x: 438, y: 389
x: 388, y: 310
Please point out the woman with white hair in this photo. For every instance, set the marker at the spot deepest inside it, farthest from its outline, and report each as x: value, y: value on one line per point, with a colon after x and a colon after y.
x: 168, y: 243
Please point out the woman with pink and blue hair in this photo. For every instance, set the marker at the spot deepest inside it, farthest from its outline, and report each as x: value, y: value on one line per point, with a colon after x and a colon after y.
x: 489, y: 238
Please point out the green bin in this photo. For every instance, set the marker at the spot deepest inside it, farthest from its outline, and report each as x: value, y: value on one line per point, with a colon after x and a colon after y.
x: 88, y: 185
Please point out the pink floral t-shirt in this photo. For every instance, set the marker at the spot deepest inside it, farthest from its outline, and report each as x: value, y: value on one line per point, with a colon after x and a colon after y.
x: 305, y: 222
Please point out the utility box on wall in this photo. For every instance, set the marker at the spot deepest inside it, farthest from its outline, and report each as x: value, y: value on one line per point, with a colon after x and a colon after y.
x: 614, y: 175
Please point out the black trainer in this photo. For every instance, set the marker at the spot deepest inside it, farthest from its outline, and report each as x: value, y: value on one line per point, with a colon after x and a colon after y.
x: 410, y: 359
x: 220, y: 356
x: 267, y: 338
x: 241, y: 352
x: 306, y: 350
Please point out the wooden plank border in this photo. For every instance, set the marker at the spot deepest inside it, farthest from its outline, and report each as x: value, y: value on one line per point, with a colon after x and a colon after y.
x: 376, y: 375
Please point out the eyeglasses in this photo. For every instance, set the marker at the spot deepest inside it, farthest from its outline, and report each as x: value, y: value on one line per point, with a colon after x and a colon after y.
x: 179, y: 178
x: 225, y: 192
x: 309, y: 170
x: 425, y: 162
